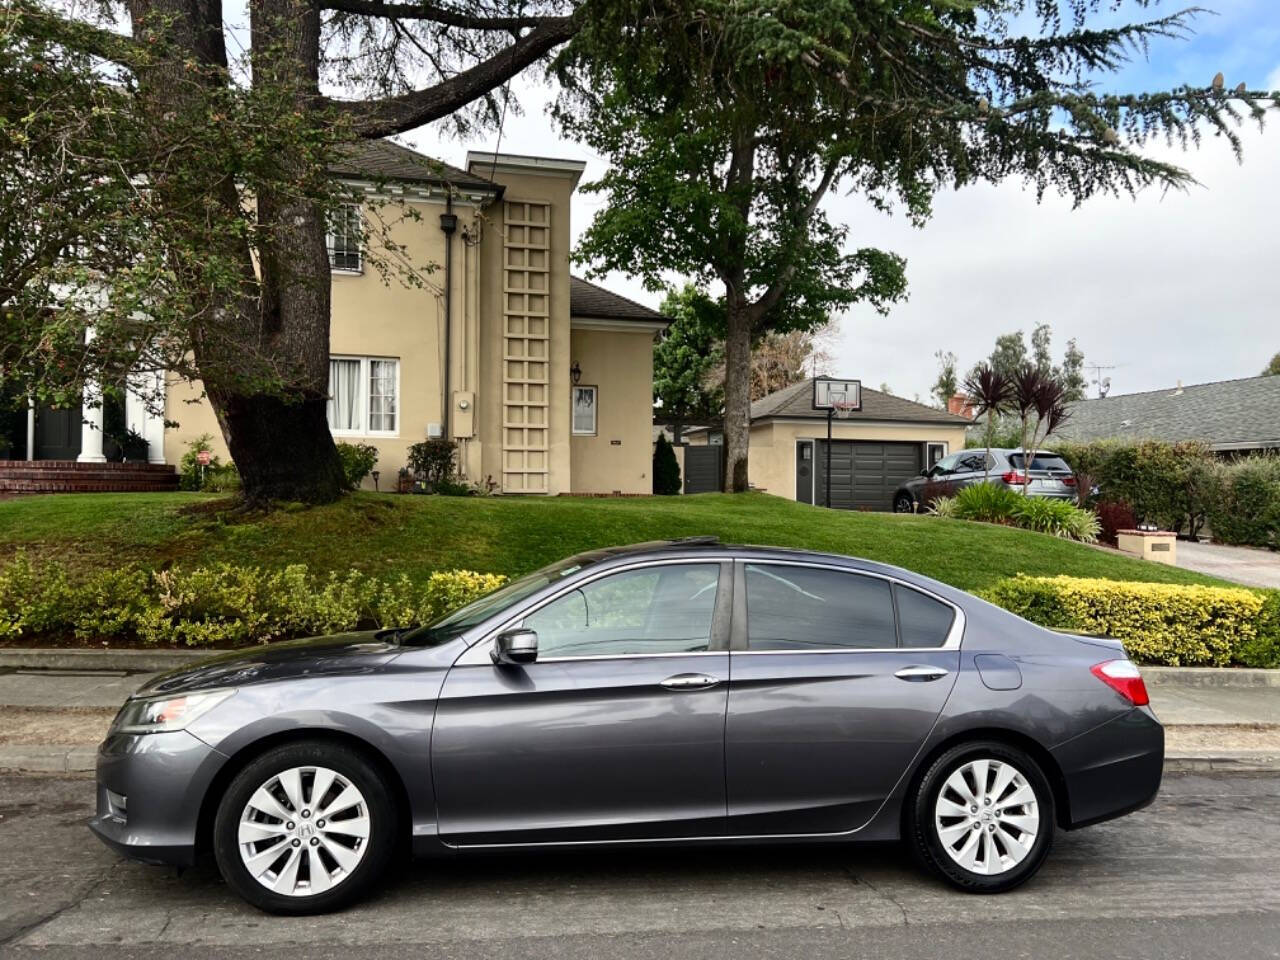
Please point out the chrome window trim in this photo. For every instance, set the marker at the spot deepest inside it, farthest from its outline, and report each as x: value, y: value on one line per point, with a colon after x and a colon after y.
x: 954, y: 635
x: 488, y: 636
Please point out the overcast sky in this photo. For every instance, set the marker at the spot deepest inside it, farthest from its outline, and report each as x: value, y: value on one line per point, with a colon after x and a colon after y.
x: 1182, y: 286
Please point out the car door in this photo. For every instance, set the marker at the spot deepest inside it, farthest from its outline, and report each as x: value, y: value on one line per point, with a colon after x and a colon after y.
x: 969, y: 470
x: 837, y: 678
x: 616, y: 731
x: 940, y: 478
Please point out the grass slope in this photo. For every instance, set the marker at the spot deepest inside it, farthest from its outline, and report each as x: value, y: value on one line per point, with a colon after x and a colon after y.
x: 389, y: 534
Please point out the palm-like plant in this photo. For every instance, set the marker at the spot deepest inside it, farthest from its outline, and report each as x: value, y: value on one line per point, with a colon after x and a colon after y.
x: 1028, y: 386
x: 988, y: 391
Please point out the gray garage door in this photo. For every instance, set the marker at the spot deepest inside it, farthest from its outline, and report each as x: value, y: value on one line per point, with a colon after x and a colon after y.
x: 864, y: 475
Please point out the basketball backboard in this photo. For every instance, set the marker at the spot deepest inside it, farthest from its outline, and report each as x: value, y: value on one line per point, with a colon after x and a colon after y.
x: 827, y: 389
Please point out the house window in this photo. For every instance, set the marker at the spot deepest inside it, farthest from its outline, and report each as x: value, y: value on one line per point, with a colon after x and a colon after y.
x: 936, y: 452
x: 715, y: 438
x: 364, y: 396
x: 344, y: 239
x: 584, y: 411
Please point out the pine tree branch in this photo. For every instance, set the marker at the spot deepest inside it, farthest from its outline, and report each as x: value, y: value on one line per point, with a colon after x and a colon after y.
x: 435, y: 13
x: 386, y: 116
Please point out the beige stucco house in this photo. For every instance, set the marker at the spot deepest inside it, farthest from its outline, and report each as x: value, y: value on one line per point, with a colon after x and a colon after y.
x: 544, y: 380
x: 884, y: 441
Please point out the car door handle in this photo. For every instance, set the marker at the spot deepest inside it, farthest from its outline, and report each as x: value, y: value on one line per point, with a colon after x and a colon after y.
x: 920, y: 674
x: 689, y: 681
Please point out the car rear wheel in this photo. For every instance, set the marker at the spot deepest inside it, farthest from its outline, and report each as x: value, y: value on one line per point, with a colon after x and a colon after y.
x: 903, y: 503
x: 982, y: 817
x: 305, y: 828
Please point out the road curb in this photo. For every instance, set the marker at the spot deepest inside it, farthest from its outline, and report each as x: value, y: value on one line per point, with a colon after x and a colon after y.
x: 129, y: 661
x: 1240, y: 761
x: 1218, y: 677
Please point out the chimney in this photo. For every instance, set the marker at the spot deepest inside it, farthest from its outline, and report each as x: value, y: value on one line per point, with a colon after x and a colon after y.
x: 959, y: 404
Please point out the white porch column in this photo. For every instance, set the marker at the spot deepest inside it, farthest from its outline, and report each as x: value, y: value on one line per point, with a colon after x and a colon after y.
x: 143, y: 397
x: 31, y: 428
x: 91, y: 424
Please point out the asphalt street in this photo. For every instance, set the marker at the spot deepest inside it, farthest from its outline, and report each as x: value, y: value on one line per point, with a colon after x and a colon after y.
x: 1195, y: 875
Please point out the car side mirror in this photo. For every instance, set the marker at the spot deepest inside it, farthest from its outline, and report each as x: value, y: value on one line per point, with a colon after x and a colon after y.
x: 516, y: 646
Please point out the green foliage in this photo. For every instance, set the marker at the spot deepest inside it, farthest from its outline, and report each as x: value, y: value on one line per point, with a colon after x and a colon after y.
x: 1264, y: 649
x: 1060, y: 518
x: 1158, y: 623
x: 1244, y: 506
x: 1272, y: 369
x: 433, y: 461
x: 190, y: 475
x: 1168, y: 484
x: 358, y: 461
x: 943, y: 507
x: 685, y: 356
x: 218, y: 605
x: 666, y: 469
x: 947, y: 384
x: 986, y: 502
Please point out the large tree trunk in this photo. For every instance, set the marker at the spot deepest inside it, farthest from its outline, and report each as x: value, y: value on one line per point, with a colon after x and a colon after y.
x: 737, y: 392
x: 276, y: 432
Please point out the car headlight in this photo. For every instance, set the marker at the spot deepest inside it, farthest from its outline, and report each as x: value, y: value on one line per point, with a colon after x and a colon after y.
x: 166, y: 713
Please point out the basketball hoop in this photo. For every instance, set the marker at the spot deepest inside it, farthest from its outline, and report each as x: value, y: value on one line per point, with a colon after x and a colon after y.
x: 841, y: 406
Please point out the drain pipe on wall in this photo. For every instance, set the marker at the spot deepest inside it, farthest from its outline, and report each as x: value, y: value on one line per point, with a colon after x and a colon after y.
x: 448, y: 226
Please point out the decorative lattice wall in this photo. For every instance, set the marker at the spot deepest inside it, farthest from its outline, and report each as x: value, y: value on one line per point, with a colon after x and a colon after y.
x: 526, y: 369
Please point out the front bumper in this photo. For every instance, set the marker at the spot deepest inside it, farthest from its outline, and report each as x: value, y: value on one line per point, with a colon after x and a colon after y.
x: 150, y: 789
x: 1112, y: 769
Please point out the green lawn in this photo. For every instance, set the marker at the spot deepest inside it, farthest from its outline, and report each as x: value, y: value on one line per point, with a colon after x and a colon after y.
x: 391, y: 534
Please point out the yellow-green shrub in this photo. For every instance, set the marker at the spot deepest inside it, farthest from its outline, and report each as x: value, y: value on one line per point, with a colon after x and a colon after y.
x: 218, y: 605
x: 1158, y: 622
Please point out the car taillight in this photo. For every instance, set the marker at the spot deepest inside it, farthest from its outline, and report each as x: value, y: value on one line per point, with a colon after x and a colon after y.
x: 1013, y: 478
x: 1069, y: 481
x: 1122, y: 677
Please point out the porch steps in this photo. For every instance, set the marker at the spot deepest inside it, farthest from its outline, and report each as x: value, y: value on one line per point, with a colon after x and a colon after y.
x: 71, y: 476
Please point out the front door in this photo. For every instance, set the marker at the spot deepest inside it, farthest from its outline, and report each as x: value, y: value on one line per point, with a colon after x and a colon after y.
x: 833, y: 694
x: 616, y: 731
x: 58, y: 433
x: 804, y: 471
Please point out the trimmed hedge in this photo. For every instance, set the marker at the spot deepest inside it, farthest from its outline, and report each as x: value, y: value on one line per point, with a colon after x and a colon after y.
x: 1245, y: 508
x: 220, y: 605
x: 1159, y: 623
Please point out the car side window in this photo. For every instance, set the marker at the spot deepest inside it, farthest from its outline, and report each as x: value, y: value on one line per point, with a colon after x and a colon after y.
x: 666, y: 608
x: 816, y: 608
x: 922, y: 620
x: 972, y: 462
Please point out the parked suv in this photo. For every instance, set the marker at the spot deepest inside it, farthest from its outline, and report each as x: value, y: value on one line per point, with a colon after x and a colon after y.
x: 1050, y: 477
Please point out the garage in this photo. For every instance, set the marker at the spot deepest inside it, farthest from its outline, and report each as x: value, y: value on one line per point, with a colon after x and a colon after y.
x: 864, y: 474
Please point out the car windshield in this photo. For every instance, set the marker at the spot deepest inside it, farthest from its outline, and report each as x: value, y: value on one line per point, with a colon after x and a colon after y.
x: 1041, y: 461
x: 458, y: 621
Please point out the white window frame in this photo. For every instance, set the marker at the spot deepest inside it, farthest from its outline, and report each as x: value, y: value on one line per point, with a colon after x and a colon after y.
x: 595, y: 410
x: 930, y: 444
x: 364, y: 400
x: 330, y: 242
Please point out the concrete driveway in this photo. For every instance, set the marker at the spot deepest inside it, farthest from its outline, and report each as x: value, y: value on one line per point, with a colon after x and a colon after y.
x: 1251, y: 566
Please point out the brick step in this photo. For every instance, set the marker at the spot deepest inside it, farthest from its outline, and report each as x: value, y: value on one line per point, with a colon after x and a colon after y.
x: 57, y: 465
x: 142, y: 476
x: 84, y: 486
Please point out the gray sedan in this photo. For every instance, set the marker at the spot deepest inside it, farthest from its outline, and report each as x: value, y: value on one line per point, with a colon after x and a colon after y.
x: 672, y: 693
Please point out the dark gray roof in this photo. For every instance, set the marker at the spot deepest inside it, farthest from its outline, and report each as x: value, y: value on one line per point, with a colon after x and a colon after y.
x: 797, y: 401
x: 1228, y: 415
x: 383, y: 159
x: 595, y: 302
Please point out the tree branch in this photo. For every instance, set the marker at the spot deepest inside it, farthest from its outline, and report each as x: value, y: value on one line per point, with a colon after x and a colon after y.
x: 390, y: 115
x: 430, y: 11
x: 773, y: 296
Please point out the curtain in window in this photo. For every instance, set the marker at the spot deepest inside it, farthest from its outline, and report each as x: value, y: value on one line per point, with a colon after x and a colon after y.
x: 344, y: 395
x: 584, y: 409
x: 382, y: 395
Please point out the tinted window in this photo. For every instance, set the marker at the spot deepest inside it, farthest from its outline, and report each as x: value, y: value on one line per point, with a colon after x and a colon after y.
x: 972, y: 462
x: 1041, y: 461
x: 922, y: 620
x: 660, y: 609
x: 807, y: 608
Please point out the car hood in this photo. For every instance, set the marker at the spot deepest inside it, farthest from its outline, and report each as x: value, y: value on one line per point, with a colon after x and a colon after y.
x: 342, y: 653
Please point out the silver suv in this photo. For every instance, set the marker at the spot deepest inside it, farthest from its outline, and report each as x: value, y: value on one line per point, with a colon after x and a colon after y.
x: 1050, y: 477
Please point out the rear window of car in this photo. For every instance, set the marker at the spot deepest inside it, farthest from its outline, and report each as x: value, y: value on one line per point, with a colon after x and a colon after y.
x: 922, y: 621
x: 1040, y: 462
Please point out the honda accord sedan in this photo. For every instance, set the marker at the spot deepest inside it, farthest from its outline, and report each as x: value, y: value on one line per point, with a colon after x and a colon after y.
x: 671, y: 693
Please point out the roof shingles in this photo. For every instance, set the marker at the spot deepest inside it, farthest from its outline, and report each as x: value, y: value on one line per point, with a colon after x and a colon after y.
x: 796, y: 401
x: 384, y: 159
x: 590, y: 301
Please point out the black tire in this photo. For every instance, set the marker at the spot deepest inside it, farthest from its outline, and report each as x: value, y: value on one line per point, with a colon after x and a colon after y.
x: 903, y: 503
x: 922, y: 830
x: 376, y: 850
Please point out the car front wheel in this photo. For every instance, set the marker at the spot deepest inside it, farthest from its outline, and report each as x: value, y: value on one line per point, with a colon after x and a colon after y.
x: 903, y: 503
x: 982, y: 817
x: 305, y: 828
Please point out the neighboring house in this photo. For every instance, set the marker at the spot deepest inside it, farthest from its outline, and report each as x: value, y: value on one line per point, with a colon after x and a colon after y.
x: 1231, y: 416
x: 881, y: 444
x: 544, y: 380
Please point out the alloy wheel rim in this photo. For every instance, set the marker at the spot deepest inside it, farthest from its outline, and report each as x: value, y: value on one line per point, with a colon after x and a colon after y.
x: 304, y: 831
x: 987, y: 816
